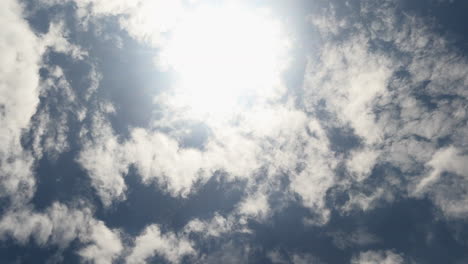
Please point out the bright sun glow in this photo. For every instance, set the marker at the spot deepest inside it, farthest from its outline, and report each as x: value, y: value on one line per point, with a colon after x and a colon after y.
x: 223, y: 57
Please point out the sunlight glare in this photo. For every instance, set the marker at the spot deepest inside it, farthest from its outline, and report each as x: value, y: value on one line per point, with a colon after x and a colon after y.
x: 222, y: 56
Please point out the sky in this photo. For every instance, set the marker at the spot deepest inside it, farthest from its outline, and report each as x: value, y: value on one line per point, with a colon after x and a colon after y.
x: 223, y: 131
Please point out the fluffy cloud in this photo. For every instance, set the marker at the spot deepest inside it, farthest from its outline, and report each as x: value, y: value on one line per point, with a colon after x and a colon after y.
x: 59, y: 225
x: 19, y: 80
x: 153, y: 242
x: 446, y: 182
x: 104, y: 244
x: 21, y: 52
x: 104, y: 160
x: 144, y: 20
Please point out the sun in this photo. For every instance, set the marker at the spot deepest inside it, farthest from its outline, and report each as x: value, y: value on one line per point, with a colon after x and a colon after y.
x: 224, y: 57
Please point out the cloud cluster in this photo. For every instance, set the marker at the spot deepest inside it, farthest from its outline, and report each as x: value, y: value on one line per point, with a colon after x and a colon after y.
x: 19, y: 80
x: 22, y: 53
x: 401, y: 88
x: 152, y: 241
x: 58, y: 226
x: 384, y: 80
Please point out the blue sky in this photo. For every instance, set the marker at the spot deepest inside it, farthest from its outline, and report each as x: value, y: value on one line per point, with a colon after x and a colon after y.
x: 157, y: 131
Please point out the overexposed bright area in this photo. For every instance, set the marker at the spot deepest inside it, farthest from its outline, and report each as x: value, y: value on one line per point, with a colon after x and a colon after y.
x: 224, y: 57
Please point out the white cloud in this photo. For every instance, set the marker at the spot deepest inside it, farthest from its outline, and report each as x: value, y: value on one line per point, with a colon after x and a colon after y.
x: 381, y: 257
x: 56, y: 39
x: 317, y: 174
x: 21, y: 52
x: 20, y: 55
x: 160, y: 157
x: 401, y: 104
x: 49, y: 132
x: 444, y: 160
x: 165, y: 161
x: 104, y: 244
x: 59, y: 225
x: 103, y: 159
x: 361, y: 201
x: 448, y: 191
x: 266, y: 136
x: 154, y: 242
x: 357, y: 84
x: 255, y: 205
x: 361, y: 162
x: 349, y: 78
x: 23, y: 224
x: 144, y: 20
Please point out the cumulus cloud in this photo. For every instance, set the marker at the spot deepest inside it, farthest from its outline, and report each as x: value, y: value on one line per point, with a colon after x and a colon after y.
x: 19, y: 80
x: 255, y: 205
x: 58, y: 226
x: 153, y: 242
x: 104, y: 244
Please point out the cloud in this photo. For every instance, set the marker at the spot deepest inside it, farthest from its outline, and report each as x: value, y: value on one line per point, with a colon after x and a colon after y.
x: 270, y: 135
x: 153, y: 242
x: 383, y: 257
x: 255, y: 205
x: 144, y: 20
x: 49, y: 125
x: 229, y: 253
x: 401, y: 100
x: 349, y: 78
x: 357, y: 238
x: 22, y: 54
x: 361, y: 162
x: 444, y: 160
x: 446, y: 182
x: 104, y: 244
x: 56, y: 38
x: 19, y: 80
x: 296, y: 258
x: 103, y: 159
x: 216, y: 226
x: 58, y: 226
